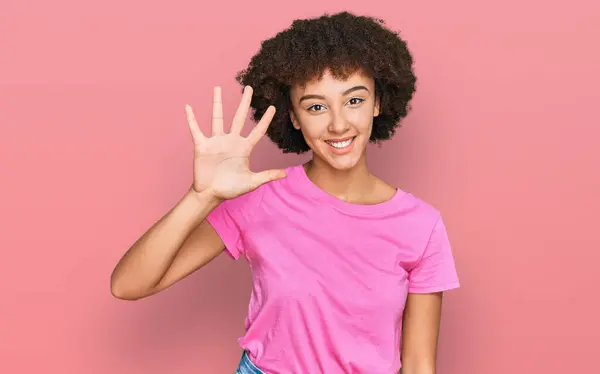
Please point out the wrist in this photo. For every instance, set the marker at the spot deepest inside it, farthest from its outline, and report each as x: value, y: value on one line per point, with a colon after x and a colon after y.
x: 203, y: 199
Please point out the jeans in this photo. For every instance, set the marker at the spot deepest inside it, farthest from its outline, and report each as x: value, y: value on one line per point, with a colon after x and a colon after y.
x: 247, y: 367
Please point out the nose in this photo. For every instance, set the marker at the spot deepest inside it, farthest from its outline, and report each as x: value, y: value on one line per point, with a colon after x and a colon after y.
x: 338, y: 124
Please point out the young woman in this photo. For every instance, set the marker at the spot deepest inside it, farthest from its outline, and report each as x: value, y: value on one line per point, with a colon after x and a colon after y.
x: 348, y: 271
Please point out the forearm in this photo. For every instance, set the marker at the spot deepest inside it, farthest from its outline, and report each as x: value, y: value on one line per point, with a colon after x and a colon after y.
x: 145, y: 263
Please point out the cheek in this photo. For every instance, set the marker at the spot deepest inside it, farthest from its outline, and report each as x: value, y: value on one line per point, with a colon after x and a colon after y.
x: 362, y: 121
x: 314, y: 128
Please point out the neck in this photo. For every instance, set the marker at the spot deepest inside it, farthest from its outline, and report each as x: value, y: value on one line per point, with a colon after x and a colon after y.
x: 349, y: 185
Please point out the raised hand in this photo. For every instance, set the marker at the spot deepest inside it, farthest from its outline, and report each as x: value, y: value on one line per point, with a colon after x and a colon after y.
x: 221, y: 161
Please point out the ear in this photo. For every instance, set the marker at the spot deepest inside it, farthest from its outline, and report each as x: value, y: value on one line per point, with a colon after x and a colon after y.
x: 294, y: 120
x: 376, y: 107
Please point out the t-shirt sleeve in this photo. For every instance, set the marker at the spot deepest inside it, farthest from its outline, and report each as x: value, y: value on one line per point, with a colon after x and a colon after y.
x: 231, y: 217
x: 436, y: 270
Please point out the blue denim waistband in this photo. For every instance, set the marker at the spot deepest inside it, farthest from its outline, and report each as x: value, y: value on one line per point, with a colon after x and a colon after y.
x: 247, y: 367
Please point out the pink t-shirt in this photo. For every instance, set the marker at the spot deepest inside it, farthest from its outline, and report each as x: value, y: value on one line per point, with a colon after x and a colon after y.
x: 330, y: 278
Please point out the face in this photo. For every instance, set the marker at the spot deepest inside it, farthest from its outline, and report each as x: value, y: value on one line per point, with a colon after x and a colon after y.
x: 336, y: 117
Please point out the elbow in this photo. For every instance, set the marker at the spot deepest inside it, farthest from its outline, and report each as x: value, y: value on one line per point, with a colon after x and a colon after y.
x: 123, y: 294
x: 120, y: 290
x: 120, y: 294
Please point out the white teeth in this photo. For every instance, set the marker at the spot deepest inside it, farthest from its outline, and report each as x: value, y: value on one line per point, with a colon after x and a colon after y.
x: 341, y: 144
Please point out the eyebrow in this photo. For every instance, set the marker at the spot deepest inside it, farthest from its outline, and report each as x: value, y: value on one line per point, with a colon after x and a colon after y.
x: 355, y: 88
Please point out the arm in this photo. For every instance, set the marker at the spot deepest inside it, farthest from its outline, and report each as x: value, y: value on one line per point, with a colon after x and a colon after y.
x: 181, y: 242
x: 420, y: 331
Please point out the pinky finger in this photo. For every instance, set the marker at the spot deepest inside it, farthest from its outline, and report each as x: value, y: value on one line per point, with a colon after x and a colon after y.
x: 197, y: 135
x: 259, y: 130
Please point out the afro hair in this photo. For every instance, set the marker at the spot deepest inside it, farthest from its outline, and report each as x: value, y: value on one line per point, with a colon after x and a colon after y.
x: 344, y: 44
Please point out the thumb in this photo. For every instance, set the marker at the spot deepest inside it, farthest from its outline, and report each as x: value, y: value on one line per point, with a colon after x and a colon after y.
x: 266, y: 176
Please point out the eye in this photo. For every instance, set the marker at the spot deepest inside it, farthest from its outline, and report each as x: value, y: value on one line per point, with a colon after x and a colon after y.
x: 356, y: 101
x: 310, y: 108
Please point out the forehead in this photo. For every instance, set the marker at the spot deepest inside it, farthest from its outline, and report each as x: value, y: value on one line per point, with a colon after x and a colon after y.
x: 331, y: 85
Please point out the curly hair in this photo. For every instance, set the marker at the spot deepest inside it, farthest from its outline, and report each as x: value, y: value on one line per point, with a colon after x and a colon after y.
x: 342, y: 43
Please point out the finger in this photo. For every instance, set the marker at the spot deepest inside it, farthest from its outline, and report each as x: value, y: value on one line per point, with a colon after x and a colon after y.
x: 242, y: 111
x: 197, y: 135
x: 217, y: 114
x: 266, y: 176
x: 259, y: 130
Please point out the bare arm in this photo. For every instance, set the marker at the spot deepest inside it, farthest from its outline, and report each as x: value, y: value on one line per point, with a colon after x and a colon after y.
x: 420, y: 331
x: 181, y: 242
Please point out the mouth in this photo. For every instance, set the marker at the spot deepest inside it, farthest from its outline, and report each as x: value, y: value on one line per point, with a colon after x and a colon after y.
x: 341, y: 145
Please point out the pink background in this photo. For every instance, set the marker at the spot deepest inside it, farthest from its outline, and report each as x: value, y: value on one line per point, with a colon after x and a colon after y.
x: 94, y: 147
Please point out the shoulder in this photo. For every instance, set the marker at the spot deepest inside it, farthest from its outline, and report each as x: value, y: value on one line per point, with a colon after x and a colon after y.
x: 418, y: 214
x: 411, y: 204
x: 422, y: 208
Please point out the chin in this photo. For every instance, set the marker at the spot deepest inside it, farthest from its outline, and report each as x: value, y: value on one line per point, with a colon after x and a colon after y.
x: 342, y: 160
x: 343, y: 163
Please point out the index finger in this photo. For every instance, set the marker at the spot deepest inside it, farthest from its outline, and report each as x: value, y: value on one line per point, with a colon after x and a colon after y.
x: 259, y: 130
x: 242, y: 112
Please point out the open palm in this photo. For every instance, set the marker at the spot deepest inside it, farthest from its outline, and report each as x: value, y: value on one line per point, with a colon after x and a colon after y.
x: 221, y: 161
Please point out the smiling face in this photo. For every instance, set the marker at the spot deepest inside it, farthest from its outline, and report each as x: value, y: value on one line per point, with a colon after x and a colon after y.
x: 336, y: 117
